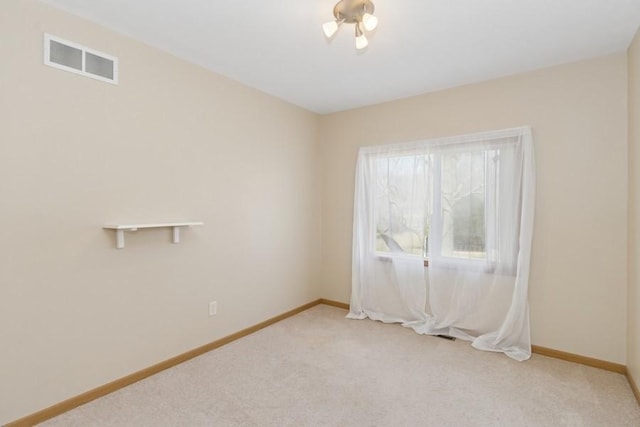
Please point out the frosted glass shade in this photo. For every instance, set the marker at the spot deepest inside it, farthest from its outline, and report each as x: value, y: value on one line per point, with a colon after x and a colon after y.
x: 330, y: 28
x: 369, y: 21
x: 361, y: 42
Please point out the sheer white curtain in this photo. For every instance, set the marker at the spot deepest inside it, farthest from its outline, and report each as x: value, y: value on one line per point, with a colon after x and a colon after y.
x: 442, y: 237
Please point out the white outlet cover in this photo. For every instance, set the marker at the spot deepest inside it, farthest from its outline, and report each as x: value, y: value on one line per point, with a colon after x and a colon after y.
x: 213, y: 308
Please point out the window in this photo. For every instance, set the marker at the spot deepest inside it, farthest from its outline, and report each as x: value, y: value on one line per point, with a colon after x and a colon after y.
x: 463, y: 206
x: 75, y: 58
x: 438, y: 205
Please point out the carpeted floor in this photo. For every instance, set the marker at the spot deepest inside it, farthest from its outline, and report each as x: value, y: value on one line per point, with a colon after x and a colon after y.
x: 320, y: 369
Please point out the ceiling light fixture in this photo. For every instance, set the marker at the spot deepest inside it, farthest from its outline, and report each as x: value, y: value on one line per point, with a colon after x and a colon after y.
x: 358, y: 12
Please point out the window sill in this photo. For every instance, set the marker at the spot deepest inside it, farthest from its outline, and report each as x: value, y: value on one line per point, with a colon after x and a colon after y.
x: 447, y: 263
x: 388, y: 257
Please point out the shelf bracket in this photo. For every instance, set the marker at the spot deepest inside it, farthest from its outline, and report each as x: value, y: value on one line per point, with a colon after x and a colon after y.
x: 119, y: 239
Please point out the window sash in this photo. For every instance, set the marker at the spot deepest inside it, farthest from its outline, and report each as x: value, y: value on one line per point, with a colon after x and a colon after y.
x: 435, y: 220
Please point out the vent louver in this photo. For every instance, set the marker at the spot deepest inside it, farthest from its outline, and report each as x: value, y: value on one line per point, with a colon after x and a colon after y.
x: 78, y: 59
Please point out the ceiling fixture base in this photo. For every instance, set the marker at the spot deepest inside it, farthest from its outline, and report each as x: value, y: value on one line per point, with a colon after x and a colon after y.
x: 352, y: 11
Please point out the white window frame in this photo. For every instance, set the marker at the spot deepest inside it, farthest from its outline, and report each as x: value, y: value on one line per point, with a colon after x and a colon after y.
x: 47, y: 61
x: 435, y: 228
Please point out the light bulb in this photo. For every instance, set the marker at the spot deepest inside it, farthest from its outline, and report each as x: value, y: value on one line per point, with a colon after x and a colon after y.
x: 361, y: 42
x: 330, y: 28
x: 370, y: 22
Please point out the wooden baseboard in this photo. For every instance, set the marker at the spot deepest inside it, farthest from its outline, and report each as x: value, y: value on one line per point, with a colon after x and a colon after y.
x: 334, y: 303
x: 90, y: 395
x: 583, y: 360
x: 549, y: 352
x: 103, y: 390
x: 556, y: 354
x: 634, y: 386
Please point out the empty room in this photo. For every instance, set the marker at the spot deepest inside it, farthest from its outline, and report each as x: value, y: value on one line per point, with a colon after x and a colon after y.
x: 320, y: 213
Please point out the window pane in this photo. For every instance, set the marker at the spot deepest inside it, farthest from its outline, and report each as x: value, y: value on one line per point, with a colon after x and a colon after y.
x: 403, y: 204
x: 463, y: 205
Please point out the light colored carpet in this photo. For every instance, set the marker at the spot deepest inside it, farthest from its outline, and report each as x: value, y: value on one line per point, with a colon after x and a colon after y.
x: 320, y: 369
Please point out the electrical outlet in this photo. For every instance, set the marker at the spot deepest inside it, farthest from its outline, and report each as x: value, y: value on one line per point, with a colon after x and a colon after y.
x: 213, y: 308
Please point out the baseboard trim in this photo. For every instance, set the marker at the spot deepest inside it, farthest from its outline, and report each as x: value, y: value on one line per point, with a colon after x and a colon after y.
x: 549, y: 352
x: 556, y: 354
x: 634, y: 386
x: 583, y: 360
x: 108, y: 388
x: 81, y: 399
x: 334, y: 303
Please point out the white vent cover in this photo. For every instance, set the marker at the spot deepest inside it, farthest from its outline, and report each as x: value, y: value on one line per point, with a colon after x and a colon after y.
x: 78, y: 59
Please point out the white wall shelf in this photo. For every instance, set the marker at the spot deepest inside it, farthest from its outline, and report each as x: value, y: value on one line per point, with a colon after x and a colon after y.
x: 121, y: 228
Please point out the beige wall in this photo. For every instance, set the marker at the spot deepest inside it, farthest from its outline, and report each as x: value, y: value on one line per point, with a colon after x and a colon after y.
x: 633, y: 333
x: 171, y: 142
x: 578, y: 113
x: 174, y: 141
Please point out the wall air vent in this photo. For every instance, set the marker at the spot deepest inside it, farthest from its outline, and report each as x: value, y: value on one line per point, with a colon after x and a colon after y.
x: 78, y: 59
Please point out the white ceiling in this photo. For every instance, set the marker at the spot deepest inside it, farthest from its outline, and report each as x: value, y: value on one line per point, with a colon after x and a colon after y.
x: 419, y: 46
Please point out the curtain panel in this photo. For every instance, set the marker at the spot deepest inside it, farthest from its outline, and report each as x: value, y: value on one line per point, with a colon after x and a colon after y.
x: 442, y: 237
